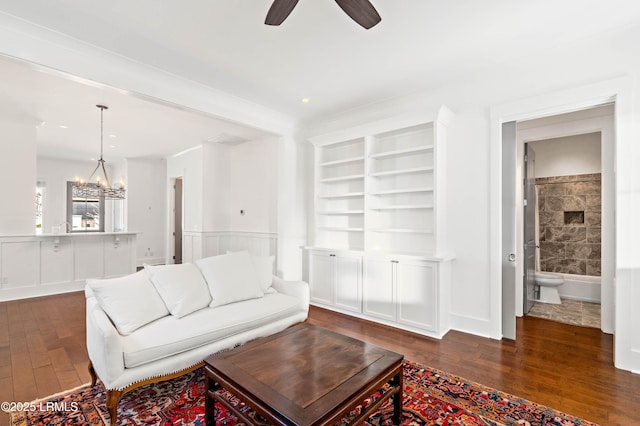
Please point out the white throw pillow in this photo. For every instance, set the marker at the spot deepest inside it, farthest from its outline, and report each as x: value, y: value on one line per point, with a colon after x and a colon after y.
x: 264, y: 269
x: 231, y: 278
x: 182, y: 287
x: 130, y: 301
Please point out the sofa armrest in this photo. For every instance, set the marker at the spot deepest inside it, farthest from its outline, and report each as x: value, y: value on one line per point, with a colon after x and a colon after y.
x: 104, y: 343
x: 298, y: 289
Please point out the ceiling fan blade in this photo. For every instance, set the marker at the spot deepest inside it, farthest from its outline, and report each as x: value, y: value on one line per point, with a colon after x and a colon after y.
x: 361, y: 11
x: 279, y: 11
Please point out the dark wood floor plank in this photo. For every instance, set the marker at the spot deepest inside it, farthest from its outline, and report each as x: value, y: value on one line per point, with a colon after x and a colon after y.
x: 46, y: 381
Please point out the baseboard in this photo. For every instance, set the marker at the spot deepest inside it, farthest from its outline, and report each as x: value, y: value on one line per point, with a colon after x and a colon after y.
x: 477, y: 326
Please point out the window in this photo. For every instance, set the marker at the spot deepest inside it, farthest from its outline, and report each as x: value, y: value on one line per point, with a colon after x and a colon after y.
x: 40, y: 189
x: 84, y: 214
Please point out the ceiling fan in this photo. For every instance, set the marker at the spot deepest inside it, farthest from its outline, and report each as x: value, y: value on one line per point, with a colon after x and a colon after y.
x: 361, y: 11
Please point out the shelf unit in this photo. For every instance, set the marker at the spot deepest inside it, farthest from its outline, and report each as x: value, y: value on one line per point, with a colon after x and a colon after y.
x: 380, y: 204
x: 400, y: 189
x: 339, y: 206
x: 379, y: 186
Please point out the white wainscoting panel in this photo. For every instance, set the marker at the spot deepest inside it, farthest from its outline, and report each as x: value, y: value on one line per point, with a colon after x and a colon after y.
x: 39, y: 265
x: 197, y: 245
x: 88, y: 258
x: 20, y: 264
x: 56, y: 261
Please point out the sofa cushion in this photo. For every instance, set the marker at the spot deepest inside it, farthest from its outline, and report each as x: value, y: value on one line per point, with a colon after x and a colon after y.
x: 120, y: 299
x: 169, y: 335
x: 231, y: 278
x: 264, y: 269
x: 182, y: 287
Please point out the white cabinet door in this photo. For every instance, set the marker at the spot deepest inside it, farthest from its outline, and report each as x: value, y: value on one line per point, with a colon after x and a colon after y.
x: 416, y: 294
x: 348, y: 285
x: 321, y: 277
x: 20, y: 264
x: 379, y: 292
x: 57, y: 261
x: 117, y: 256
x: 88, y: 258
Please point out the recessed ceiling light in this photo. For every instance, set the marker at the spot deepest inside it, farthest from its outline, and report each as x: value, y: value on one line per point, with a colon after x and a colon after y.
x: 113, y: 136
x: 62, y: 126
x: 112, y: 146
x: 305, y: 100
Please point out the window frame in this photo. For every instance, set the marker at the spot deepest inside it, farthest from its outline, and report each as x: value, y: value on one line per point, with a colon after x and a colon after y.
x: 70, y: 200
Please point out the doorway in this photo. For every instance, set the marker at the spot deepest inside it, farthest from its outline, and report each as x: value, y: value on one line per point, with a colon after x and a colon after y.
x: 620, y: 92
x: 177, y: 220
x: 576, y: 164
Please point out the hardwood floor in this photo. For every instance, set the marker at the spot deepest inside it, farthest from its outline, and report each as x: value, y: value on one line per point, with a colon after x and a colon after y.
x: 570, y: 368
x: 42, y: 347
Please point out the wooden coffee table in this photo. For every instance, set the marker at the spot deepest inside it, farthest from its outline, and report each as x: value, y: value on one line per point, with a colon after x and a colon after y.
x: 304, y: 375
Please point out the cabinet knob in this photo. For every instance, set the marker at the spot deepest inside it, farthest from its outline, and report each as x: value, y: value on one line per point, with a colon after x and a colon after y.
x: 394, y: 261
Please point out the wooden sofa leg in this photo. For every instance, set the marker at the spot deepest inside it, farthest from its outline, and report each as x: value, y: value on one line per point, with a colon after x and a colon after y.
x: 94, y: 376
x: 113, y: 398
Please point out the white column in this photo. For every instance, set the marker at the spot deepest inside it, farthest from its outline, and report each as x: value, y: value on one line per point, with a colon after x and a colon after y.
x: 294, y: 167
x: 17, y: 177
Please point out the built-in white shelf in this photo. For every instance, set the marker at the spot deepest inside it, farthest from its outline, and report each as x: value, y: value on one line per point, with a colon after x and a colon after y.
x: 401, y: 171
x: 380, y: 222
x: 403, y: 207
x: 402, y: 230
x: 340, y: 229
x: 381, y: 184
x: 413, y: 253
x: 342, y: 161
x: 401, y: 152
x: 342, y: 178
x: 401, y: 191
x: 341, y: 212
x: 345, y: 195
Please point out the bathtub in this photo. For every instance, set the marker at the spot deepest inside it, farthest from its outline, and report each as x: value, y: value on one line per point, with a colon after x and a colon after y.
x: 580, y: 287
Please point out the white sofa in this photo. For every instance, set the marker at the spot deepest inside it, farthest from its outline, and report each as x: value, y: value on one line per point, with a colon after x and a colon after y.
x: 163, y: 321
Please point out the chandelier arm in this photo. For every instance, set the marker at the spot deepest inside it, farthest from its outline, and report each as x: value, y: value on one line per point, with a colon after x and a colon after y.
x: 106, y: 176
x: 93, y: 173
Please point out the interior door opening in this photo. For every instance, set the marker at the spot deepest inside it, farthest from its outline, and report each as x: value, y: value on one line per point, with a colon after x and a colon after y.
x: 177, y: 221
x: 573, y: 246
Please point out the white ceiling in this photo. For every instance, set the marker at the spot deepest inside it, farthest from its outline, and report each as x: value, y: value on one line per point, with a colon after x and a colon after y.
x: 318, y: 53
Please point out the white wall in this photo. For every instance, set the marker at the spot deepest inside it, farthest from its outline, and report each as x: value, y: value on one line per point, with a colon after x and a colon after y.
x: 219, y: 180
x: 146, y: 207
x: 254, y: 186
x: 18, y: 177
x: 570, y: 155
x: 216, y: 186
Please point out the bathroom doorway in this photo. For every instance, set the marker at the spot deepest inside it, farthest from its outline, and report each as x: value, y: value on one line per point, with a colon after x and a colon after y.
x: 572, y: 170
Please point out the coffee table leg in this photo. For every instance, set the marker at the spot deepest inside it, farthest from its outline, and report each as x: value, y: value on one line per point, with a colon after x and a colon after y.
x: 209, y: 403
x: 397, y: 398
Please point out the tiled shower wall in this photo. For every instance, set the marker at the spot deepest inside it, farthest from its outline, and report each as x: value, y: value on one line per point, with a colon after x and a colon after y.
x: 570, y: 220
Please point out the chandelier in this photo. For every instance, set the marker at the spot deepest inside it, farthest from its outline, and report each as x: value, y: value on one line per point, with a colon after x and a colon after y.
x: 98, y: 185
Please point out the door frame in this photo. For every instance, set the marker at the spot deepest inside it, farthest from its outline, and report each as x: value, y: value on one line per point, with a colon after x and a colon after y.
x: 618, y: 90
x: 605, y: 126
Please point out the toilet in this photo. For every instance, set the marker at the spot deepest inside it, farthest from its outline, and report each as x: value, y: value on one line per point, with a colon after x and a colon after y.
x: 549, y: 284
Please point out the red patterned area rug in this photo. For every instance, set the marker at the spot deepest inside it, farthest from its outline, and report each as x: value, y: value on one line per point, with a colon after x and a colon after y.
x: 431, y: 397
